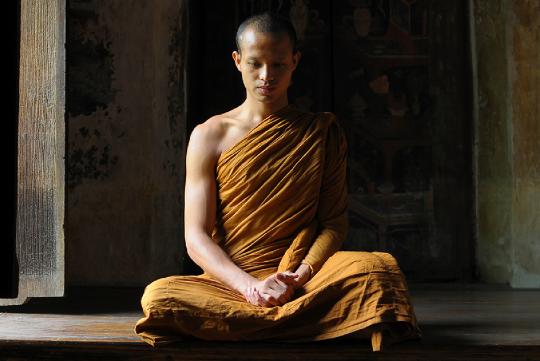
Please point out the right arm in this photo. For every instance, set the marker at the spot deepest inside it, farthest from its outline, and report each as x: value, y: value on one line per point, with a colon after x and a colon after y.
x: 200, y: 212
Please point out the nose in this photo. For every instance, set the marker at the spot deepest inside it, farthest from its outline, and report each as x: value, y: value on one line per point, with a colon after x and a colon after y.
x: 265, y: 73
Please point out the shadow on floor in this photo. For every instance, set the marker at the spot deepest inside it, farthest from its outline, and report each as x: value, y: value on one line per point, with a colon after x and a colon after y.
x: 84, y: 300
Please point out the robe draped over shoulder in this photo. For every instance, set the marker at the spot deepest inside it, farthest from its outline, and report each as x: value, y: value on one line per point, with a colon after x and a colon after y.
x: 282, y: 201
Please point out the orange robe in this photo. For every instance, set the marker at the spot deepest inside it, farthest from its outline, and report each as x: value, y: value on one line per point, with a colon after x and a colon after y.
x: 283, y: 201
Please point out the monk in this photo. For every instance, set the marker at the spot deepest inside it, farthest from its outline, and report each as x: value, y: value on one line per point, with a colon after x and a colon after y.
x: 265, y: 217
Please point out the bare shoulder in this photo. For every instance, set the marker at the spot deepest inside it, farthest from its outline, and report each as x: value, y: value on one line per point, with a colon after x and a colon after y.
x: 217, y: 133
x: 205, y: 139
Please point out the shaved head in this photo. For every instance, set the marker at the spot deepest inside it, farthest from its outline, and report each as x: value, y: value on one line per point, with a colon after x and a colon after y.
x: 268, y: 23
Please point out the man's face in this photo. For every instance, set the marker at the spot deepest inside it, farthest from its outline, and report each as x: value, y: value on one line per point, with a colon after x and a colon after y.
x: 266, y: 62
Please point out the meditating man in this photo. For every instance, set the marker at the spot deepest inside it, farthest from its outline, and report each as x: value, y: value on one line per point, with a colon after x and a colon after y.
x: 265, y: 216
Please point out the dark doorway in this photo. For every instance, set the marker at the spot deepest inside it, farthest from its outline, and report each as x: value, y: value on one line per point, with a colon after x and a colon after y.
x: 9, y: 278
x: 397, y: 75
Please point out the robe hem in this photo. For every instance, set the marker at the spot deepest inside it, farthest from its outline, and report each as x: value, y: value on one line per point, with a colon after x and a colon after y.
x: 361, y: 326
x: 170, y: 339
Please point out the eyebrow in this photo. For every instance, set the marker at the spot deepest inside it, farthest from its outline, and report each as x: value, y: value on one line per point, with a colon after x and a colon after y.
x: 256, y: 59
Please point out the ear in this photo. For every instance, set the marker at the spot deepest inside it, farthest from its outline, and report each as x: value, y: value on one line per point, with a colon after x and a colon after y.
x: 296, y: 59
x: 237, y: 58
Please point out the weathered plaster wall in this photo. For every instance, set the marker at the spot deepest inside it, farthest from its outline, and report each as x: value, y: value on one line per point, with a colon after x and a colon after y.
x: 524, y: 37
x: 493, y: 141
x: 126, y: 140
x: 506, y: 52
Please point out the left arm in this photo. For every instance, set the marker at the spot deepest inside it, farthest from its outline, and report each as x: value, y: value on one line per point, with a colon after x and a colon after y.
x: 332, y: 210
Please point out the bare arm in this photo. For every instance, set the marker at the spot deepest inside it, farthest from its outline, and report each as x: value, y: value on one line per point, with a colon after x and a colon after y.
x: 200, y: 212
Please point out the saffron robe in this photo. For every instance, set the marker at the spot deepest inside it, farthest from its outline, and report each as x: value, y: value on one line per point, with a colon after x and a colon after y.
x: 282, y: 201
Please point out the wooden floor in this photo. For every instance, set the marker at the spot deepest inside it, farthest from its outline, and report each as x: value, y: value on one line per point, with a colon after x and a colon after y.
x: 458, y: 321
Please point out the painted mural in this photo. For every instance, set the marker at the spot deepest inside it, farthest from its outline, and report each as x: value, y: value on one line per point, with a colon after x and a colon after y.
x: 381, y: 70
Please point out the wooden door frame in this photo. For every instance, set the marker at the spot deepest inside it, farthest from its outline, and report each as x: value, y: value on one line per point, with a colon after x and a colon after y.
x: 40, y: 190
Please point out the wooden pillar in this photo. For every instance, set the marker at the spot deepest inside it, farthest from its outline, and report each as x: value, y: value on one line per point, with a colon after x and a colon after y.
x: 506, y: 57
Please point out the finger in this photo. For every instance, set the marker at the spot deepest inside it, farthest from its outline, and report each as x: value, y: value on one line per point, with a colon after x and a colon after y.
x: 283, y: 286
x: 289, y: 293
x: 291, y: 275
x: 286, y: 275
x: 270, y: 302
x: 280, y: 286
x: 276, y: 293
x: 253, y: 297
x: 283, y: 295
x: 290, y: 280
x: 283, y: 299
x: 270, y: 299
x: 277, y: 288
x: 261, y: 301
x: 276, y: 285
x: 247, y: 295
x: 290, y: 290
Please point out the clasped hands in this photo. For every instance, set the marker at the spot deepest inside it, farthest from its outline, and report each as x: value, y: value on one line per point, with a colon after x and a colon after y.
x: 278, y: 288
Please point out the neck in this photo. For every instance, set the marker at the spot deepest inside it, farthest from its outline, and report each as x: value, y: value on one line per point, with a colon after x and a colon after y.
x: 257, y: 111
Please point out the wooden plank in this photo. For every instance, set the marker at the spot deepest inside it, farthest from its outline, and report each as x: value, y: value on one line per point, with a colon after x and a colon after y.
x: 450, y: 315
x: 459, y: 322
x: 214, y: 351
x: 109, y: 328
x: 41, y: 149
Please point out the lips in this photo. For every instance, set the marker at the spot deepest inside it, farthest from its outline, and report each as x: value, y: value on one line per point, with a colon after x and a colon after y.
x: 265, y: 89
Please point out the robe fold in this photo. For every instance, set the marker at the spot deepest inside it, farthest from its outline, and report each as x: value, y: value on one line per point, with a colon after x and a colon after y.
x: 282, y: 201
